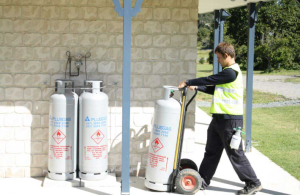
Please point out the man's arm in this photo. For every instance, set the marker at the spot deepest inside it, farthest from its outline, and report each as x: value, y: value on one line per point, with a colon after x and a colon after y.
x: 206, y: 89
x: 226, y: 76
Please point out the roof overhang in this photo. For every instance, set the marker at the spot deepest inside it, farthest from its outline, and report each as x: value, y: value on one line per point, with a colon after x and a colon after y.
x: 206, y: 6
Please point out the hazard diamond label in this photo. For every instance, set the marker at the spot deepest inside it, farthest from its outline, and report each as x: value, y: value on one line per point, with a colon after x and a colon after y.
x: 98, y: 136
x: 58, y: 136
x: 156, y: 145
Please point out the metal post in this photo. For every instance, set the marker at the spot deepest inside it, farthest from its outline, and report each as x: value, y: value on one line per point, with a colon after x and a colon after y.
x: 126, y: 98
x: 126, y: 13
x: 251, y: 36
x: 216, y: 41
x: 222, y: 21
x: 223, y: 16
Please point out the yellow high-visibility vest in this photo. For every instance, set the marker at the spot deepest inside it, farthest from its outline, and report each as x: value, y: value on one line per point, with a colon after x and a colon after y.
x: 228, y: 98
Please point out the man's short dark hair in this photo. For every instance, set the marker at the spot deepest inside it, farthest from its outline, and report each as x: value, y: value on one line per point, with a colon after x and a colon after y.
x: 223, y: 48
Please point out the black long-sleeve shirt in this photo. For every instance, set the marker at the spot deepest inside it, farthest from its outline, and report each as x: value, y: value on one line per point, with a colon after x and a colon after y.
x: 208, y: 84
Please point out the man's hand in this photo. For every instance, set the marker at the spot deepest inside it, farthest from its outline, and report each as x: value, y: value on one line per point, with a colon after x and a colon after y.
x: 192, y: 88
x: 182, y: 84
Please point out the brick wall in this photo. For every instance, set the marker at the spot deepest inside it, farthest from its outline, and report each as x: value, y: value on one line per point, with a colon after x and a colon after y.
x: 34, y: 37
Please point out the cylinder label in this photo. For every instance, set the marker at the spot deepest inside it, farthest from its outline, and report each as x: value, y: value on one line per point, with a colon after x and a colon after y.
x: 95, y: 122
x: 58, y: 136
x: 156, y: 145
x: 158, y: 161
x: 59, y: 122
x: 60, y: 152
x: 97, y: 136
x: 91, y: 152
x: 160, y: 130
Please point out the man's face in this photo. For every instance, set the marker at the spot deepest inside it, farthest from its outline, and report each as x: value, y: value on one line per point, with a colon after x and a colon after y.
x: 221, y: 59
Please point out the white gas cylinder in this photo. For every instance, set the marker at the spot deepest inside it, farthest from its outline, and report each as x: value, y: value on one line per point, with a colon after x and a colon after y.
x: 163, y: 142
x: 93, y: 151
x: 62, y: 131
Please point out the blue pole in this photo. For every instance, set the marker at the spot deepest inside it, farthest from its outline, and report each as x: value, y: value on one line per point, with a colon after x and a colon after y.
x: 216, y: 41
x: 126, y: 13
x: 223, y: 15
x: 221, y: 39
x: 249, y: 78
x: 126, y: 98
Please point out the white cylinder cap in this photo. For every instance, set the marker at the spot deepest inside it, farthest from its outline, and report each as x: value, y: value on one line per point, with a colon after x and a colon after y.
x: 167, y: 91
x: 95, y: 85
x: 62, y: 84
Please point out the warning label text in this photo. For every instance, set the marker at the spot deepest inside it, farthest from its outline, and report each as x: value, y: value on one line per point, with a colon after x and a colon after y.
x: 96, y: 152
x: 158, y: 161
x: 60, y: 152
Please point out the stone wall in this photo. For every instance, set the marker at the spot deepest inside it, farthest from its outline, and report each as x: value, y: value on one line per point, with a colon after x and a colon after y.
x: 34, y: 38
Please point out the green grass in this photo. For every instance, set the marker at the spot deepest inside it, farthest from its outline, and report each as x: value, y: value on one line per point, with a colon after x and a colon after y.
x: 281, y: 72
x: 276, y: 133
x: 203, y: 53
x: 292, y: 80
x: 258, y: 97
x: 204, y: 70
x: 255, y: 72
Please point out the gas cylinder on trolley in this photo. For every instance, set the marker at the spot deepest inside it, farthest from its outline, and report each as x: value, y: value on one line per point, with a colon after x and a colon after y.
x: 163, y: 142
x: 93, y: 112
x: 62, y: 131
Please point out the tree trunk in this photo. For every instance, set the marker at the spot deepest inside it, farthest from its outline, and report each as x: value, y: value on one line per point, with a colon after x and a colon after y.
x: 269, y: 64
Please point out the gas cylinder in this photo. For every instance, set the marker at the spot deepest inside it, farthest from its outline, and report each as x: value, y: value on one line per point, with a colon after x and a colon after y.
x: 163, y: 142
x: 93, y: 112
x: 62, y: 131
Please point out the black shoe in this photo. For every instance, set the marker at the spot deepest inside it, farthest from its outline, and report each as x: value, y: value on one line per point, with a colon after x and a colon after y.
x: 250, y: 189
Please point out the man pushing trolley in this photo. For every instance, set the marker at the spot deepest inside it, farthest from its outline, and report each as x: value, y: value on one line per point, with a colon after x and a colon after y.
x: 227, y: 123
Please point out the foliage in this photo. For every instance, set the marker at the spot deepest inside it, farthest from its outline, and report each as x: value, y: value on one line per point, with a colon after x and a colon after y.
x: 204, y: 29
x: 277, y: 35
x: 202, y: 61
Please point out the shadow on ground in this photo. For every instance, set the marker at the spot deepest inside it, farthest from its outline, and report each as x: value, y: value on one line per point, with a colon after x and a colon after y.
x: 213, y: 188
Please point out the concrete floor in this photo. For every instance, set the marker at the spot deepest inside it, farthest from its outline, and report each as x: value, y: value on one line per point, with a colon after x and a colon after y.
x: 275, y: 180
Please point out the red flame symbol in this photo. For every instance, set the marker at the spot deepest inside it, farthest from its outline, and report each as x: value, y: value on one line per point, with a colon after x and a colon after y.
x: 58, y: 134
x: 156, y: 142
x: 98, y: 134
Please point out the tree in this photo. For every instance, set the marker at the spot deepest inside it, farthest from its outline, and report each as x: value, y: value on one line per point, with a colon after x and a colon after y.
x: 204, y: 29
x: 201, y: 61
x: 203, y: 36
x: 277, y: 35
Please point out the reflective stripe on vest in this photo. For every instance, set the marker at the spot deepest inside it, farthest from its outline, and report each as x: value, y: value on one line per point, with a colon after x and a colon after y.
x: 222, y: 89
x: 228, y: 101
x: 228, y: 97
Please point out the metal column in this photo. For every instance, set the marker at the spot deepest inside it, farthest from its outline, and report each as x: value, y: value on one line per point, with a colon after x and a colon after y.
x: 216, y: 41
x: 126, y: 98
x: 127, y: 13
x: 220, y: 17
x: 223, y: 16
x: 250, y: 64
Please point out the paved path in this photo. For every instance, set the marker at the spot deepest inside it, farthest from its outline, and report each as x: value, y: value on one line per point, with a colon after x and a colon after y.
x: 276, y: 85
x: 275, y: 180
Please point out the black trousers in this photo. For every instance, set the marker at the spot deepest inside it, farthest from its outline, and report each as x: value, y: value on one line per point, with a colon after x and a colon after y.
x: 219, y: 135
